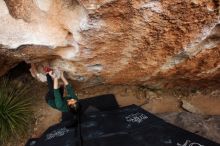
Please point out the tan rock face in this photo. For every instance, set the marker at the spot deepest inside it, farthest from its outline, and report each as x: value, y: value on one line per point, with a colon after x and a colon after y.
x: 203, y: 104
x: 139, y: 42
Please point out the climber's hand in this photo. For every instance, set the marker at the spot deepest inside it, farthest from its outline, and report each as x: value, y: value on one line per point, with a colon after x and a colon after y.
x: 51, y: 73
x: 62, y: 75
x: 64, y: 79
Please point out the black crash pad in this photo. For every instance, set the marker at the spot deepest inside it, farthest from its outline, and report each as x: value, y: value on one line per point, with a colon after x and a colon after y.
x: 113, y: 126
x: 105, y: 102
x: 131, y: 126
x: 59, y: 135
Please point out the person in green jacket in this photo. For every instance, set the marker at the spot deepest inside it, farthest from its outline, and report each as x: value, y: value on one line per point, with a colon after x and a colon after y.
x: 68, y: 104
x: 62, y: 103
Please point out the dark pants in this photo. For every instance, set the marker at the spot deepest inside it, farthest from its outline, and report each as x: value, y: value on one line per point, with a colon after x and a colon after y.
x: 69, y: 119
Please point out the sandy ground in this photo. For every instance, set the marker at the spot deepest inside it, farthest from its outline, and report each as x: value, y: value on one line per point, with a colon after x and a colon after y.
x: 205, y: 126
x: 168, y: 109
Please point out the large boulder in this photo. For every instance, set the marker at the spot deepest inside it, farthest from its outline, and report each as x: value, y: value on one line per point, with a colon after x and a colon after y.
x: 162, y: 43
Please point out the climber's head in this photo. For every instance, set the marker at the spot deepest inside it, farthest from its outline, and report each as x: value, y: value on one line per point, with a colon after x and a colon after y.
x: 71, y: 102
x: 73, y: 105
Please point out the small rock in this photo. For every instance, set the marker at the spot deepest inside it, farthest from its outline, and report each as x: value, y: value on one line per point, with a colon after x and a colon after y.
x: 151, y: 95
x: 211, y: 6
x: 197, y: 2
x: 189, y: 107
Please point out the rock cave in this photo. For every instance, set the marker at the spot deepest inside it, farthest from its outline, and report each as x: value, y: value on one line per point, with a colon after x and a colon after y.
x: 161, y: 55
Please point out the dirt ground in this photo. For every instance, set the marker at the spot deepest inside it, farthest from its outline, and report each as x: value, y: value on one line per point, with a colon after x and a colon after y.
x: 164, y: 103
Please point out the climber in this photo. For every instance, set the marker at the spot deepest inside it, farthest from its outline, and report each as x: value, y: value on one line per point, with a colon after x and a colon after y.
x: 68, y: 105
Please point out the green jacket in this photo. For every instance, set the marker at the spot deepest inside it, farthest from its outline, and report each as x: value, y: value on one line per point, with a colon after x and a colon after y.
x: 60, y: 102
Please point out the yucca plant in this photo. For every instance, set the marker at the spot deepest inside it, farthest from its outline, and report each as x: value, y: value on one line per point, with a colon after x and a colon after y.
x: 15, y: 109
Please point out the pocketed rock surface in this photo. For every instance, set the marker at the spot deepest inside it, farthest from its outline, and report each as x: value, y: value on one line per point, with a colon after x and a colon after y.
x: 161, y: 44
x: 162, y: 55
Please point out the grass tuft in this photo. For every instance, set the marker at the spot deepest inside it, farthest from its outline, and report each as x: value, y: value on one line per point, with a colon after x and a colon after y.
x: 15, y: 109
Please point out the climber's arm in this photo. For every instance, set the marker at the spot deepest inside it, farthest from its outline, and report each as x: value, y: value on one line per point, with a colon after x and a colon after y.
x: 64, y: 79
x: 70, y: 91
